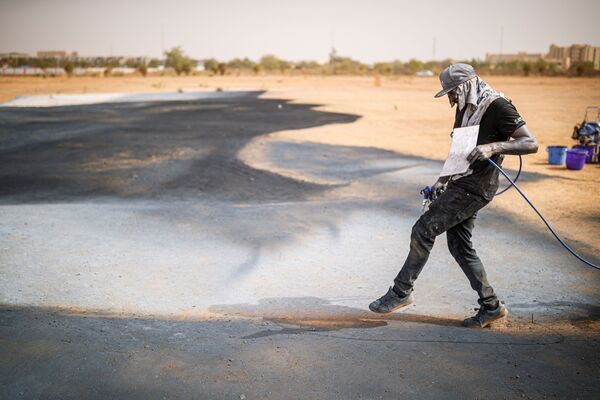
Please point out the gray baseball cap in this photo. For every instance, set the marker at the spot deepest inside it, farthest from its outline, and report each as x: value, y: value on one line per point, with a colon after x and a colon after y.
x: 453, y: 76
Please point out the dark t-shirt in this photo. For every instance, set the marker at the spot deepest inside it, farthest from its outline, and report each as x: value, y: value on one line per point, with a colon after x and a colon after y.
x: 498, y: 123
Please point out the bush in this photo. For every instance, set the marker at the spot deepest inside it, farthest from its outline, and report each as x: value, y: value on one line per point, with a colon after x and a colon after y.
x: 176, y: 59
x: 541, y: 66
x: 211, y: 65
x: 143, y: 69
x: 582, y: 69
x: 271, y: 63
x: 69, y: 67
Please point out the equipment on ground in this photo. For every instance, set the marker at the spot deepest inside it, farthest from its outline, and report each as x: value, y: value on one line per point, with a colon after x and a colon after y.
x: 588, y: 132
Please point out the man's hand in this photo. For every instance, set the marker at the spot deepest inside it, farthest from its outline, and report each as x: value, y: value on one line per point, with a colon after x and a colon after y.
x: 437, y: 189
x: 481, y: 152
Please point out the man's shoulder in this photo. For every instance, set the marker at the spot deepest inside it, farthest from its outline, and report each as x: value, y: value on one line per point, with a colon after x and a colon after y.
x: 500, y: 106
x: 500, y: 103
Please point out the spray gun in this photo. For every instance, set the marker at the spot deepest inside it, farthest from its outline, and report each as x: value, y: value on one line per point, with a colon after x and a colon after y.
x: 427, y: 197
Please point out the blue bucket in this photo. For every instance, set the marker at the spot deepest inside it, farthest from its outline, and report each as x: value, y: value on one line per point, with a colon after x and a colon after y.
x: 557, y: 155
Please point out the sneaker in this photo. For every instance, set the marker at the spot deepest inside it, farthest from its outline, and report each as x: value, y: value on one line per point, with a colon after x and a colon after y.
x: 390, y: 302
x: 484, y: 317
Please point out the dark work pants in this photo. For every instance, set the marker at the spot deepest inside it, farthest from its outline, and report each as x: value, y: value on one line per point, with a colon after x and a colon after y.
x: 454, y: 212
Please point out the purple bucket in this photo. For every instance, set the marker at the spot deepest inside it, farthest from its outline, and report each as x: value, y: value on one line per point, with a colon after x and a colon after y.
x: 590, y: 151
x: 576, y: 158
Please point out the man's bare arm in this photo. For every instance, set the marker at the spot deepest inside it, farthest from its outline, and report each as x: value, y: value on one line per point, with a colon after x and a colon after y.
x: 523, y: 143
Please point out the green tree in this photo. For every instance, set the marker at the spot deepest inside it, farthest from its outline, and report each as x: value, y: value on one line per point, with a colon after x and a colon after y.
x: 69, y: 67
x: 132, y: 63
x: 186, y: 68
x: 240, y: 64
x: 221, y: 68
x: 176, y: 59
x: 582, y: 69
x: 211, y: 65
x: 154, y: 63
x: 46, y: 62
x: 346, y: 65
x: 311, y: 67
x: 271, y: 63
x: 143, y: 69
x: 414, y: 66
x: 541, y: 66
x: 383, y: 68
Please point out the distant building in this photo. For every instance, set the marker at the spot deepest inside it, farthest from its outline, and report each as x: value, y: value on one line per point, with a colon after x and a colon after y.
x: 56, y: 54
x: 14, y: 54
x: 557, y: 53
x: 576, y: 53
x: 564, y: 56
x: 494, y: 58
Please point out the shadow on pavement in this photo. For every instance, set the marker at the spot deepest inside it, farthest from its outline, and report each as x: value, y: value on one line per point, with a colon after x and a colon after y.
x: 52, y: 355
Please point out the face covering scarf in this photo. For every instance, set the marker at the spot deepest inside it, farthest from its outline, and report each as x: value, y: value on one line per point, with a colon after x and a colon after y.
x: 476, y: 96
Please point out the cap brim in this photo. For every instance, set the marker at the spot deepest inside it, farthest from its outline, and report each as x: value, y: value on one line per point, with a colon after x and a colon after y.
x: 445, y: 91
x: 442, y: 92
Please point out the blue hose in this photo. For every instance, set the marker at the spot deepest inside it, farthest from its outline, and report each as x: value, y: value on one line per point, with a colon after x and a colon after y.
x: 542, y: 217
x: 516, y: 177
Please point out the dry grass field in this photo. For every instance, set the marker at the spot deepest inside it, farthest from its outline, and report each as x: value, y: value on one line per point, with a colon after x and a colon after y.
x: 401, y: 115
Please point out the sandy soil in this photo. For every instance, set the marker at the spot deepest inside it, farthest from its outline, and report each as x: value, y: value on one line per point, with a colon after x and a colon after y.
x: 401, y: 115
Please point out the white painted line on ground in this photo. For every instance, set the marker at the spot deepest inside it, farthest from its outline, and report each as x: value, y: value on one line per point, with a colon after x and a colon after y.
x: 57, y: 100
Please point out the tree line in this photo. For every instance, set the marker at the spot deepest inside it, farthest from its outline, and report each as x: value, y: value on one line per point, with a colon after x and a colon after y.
x: 348, y: 66
x: 177, y: 61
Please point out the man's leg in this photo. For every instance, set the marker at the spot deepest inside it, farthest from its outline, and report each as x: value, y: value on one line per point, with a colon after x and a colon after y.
x: 449, y: 209
x: 452, y: 207
x: 421, y: 243
x: 461, y: 248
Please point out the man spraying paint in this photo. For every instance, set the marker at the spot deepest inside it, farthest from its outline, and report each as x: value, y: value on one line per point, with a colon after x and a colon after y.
x: 458, y: 198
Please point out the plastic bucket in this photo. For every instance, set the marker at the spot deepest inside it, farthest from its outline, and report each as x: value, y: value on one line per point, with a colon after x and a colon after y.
x: 590, y: 150
x: 576, y: 158
x: 557, y: 155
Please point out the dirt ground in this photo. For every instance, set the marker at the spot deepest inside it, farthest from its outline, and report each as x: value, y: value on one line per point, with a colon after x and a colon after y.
x: 401, y: 115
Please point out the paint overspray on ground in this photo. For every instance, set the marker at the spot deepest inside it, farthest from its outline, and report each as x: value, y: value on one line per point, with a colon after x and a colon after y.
x: 168, y: 211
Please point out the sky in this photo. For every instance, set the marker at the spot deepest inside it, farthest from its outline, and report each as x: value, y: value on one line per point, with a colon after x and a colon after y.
x: 369, y: 31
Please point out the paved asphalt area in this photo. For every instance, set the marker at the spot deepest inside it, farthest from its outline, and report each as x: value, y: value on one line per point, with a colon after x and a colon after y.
x: 175, y: 250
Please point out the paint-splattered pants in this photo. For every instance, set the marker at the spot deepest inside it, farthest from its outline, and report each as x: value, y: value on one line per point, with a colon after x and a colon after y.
x: 454, y: 212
